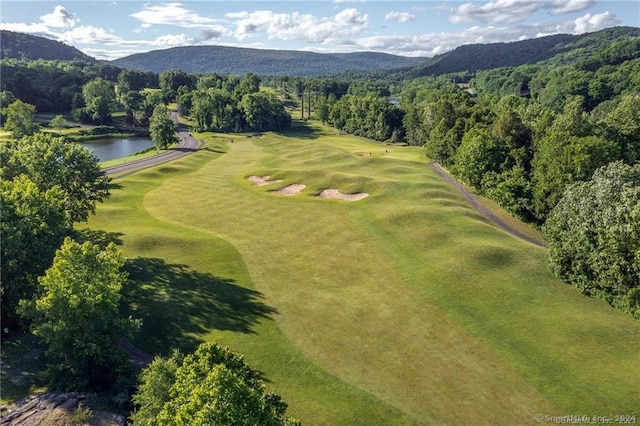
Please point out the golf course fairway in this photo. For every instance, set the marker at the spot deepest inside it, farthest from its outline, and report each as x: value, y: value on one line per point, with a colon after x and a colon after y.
x: 406, y: 306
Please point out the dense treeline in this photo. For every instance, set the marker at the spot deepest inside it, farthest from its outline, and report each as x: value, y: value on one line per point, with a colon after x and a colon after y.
x: 523, y: 149
x: 51, y: 85
x: 232, y: 104
x: 594, y: 236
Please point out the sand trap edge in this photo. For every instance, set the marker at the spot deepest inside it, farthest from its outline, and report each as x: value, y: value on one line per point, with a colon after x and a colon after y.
x: 336, y: 194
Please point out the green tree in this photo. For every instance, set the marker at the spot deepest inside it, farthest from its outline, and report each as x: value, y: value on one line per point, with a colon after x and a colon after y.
x: 561, y: 159
x: 20, y: 119
x: 257, y: 111
x: 100, y: 100
x: 49, y: 161
x: 162, y: 128
x: 33, y: 226
x: 593, y: 236
x: 171, y: 80
x: 623, y: 125
x: 477, y: 155
x: 149, y: 102
x: 511, y: 189
x: 211, y: 386
x: 153, y: 389
x: 77, y: 316
x: 58, y: 122
x: 323, y: 110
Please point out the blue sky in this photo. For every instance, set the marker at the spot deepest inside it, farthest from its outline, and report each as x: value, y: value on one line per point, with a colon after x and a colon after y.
x: 108, y: 29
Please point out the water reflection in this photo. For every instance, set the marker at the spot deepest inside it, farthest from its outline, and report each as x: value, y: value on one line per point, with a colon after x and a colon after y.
x: 108, y: 149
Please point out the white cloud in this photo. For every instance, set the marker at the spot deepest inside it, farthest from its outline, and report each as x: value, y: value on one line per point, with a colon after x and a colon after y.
x: 430, y: 44
x: 297, y: 26
x: 170, y: 14
x: 513, y: 11
x: 590, y: 23
x: 213, y: 32
x: 59, y: 18
x: 173, y: 40
x: 90, y: 35
x: 494, y: 12
x: 350, y: 17
x: 109, y: 55
x: 20, y: 27
x: 559, y: 7
x: 400, y: 17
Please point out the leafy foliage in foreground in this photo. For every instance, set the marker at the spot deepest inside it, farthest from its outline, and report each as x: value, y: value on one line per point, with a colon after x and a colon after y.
x: 33, y: 226
x: 77, y: 316
x: 20, y: 119
x: 47, y: 185
x: 594, y: 236
x: 211, y: 386
x: 51, y: 162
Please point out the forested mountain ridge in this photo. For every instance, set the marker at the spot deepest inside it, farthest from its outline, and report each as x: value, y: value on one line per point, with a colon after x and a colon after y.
x: 561, y: 48
x: 236, y: 60
x: 25, y: 46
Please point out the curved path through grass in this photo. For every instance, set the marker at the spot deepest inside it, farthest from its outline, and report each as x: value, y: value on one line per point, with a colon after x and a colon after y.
x: 187, y: 145
x: 435, y: 166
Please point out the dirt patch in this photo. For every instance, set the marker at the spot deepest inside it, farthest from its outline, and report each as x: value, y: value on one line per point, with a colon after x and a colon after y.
x: 293, y: 189
x: 54, y: 409
x: 262, y: 180
x: 334, y: 193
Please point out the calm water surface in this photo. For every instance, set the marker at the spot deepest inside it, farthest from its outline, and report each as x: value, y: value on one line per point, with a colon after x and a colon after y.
x: 108, y: 149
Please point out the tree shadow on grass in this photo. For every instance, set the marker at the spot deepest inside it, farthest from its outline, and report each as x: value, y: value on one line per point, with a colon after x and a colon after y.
x: 178, y: 305
x: 99, y: 237
x: 301, y: 130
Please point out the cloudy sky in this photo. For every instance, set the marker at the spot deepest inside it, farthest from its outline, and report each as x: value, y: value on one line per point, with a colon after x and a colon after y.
x: 108, y: 29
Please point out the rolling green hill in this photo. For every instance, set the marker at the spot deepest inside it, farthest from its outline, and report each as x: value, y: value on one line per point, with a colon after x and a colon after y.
x: 234, y: 60
x: 563, y: 47
x: 25, y: 46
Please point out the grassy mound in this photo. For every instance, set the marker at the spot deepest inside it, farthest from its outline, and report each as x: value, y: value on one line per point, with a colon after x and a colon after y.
x: 406, y: 307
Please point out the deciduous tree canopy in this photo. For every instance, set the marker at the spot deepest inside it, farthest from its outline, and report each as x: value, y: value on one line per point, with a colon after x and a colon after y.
x: 594, y: 236
x: 76, y: 314
x: 51, y: 162
x: 211, y: 386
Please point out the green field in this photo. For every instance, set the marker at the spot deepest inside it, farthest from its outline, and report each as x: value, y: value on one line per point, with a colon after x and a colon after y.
x: 406, y: 307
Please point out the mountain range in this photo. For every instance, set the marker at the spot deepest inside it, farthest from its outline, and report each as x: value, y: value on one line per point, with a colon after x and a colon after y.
x: 474, y: 57
x: 239, y: 61
x: 26, y: 46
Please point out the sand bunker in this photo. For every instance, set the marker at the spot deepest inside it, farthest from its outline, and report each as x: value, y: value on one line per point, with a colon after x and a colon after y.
x: 293, y: 189
x: 262, y: 180
x: 334, y: 193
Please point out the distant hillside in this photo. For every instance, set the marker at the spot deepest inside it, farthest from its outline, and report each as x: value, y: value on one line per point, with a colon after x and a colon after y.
x: 25, y: 46
x: 474, y: 57
x: 235, y: 60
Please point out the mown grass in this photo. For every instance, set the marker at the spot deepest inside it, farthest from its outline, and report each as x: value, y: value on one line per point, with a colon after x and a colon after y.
x: 405, y: 307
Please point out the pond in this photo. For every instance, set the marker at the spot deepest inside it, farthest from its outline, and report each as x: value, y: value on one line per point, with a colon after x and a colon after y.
x: 108, y: 149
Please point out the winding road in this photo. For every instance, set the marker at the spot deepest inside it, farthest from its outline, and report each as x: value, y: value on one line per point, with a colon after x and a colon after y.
x: 481, y: 208
x: 187, y: 145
